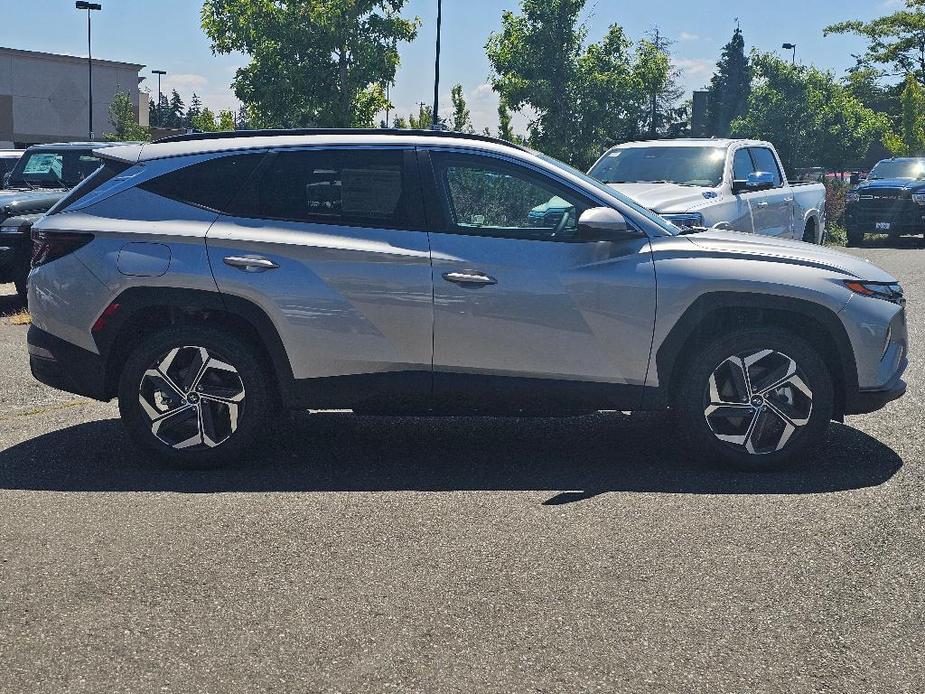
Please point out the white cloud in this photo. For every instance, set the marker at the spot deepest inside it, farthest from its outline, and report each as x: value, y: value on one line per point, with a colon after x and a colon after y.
x: 686, y: 36
x: 216, y: 96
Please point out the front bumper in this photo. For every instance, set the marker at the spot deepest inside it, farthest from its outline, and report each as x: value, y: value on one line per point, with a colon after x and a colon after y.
x: 67, y: 367
x: 867, y: 401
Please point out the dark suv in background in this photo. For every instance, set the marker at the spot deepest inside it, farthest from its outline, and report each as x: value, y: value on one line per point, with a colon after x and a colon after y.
x: 891, y: 201
x: 42, y: 176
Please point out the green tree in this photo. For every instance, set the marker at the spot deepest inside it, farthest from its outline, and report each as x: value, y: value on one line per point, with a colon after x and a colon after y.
x: 124, y: 120
x: 730, y: 86
x: 910, y: 141
x: 812, y: 119
x: 582, y: 97
x: 312, y: 62
x: 226, y: 120
x: 174, y: 114
x: 424, y: 118
x: 896, y: 41
x: 462, y: 122
x: 505, y: 131
x: 193, y: 113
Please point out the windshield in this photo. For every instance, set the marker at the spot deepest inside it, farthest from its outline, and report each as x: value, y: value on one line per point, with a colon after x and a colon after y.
x: 607, y: 192
x: 908, y: 168
x: 685, y: 166
x: 48, y: 168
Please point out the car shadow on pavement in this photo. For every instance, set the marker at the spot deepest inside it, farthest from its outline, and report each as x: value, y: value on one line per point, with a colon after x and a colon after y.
x: 577, y: 457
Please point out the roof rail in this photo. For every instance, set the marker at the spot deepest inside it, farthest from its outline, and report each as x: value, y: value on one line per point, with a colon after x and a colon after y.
x: 228, y: 134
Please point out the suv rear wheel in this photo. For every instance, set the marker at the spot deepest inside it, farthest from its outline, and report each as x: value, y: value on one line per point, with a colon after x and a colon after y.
x: 196, y: 397
x: 755, y: 399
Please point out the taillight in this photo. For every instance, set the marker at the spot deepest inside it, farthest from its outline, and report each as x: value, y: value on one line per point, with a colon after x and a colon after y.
x: 51, y: 245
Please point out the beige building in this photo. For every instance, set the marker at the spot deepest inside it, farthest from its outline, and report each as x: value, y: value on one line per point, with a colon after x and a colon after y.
x: 43, y: 96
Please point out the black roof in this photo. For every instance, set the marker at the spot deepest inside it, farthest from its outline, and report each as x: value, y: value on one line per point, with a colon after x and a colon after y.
x: 228, y: 134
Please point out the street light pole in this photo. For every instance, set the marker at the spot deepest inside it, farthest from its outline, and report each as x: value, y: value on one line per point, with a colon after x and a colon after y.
x: 89, y: 6
x: 160, y: 115
x: 791, y: 47
x: 436, y: 118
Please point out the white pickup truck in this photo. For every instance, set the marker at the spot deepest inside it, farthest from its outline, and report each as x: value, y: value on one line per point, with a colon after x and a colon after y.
x: 724, y: 184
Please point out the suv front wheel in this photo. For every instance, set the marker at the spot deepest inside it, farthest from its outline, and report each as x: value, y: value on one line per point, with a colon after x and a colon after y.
x: 196, y: 397
x: 755, y: 399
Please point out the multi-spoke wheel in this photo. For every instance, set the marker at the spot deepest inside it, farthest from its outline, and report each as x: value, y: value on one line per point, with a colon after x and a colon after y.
x: 757, y: 401
x: 193, y: 398
x: 755, y: 398
x: 194, y: 395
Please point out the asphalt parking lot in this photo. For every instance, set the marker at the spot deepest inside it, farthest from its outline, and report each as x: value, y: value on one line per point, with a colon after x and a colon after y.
x: 460, y: 555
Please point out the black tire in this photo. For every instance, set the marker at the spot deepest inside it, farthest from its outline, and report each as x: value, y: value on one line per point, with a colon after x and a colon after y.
x: 809, y: 233
x: 247, y: 379
x: 855, y: 237
x: 762, y: 424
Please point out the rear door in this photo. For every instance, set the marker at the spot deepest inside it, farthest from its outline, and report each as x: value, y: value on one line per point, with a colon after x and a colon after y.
x: 775, y: 214
x: 526, y: 313
x: 330, y: 243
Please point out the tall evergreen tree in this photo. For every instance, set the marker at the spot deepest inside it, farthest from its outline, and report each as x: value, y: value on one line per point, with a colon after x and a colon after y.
x: 174, y: 116
x: 730, y: 86
x: 461, y: 121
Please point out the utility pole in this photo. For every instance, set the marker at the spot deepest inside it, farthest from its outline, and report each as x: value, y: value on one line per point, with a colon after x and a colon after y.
x: 88, y: 6
x: 435, y: 119
x: 160, y: 114
x: 653, y: 115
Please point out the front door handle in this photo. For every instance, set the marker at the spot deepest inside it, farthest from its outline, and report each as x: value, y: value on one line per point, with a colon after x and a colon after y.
x: 469, y: 277
x: 762, y: 204
x: 250, y: 263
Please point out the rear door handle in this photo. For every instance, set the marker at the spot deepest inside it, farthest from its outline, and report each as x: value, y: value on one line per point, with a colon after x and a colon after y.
x: 469, y: 277
x: 250, y: 263
x: 762, y: 204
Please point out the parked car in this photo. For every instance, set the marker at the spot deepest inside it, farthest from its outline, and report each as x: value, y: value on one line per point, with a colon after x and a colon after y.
x: 8, y: 159
x: 206, y: 280
x: 723, y: 184
x: 42, y: 176
x: 890, y: 201
x: 16, y: 250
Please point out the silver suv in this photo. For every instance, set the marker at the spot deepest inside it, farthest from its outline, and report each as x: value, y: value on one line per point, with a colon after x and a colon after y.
x: 208, y: 280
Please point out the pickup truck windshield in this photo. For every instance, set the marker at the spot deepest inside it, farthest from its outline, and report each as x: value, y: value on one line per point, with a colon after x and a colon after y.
x: 908, y: 168
x: 48, y: 168
x: 685, y: 166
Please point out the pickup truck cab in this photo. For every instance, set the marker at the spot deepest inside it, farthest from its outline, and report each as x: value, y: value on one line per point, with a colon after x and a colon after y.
x: 891, y: 201
x: 723, y: 184
x: 41, y: 177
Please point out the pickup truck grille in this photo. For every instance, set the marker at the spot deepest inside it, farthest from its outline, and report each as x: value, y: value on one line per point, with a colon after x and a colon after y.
x: 885, y: 205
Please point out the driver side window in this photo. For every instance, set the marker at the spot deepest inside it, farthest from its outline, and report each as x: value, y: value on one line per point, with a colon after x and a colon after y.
x: 742, y: 165
x: 487, y: 198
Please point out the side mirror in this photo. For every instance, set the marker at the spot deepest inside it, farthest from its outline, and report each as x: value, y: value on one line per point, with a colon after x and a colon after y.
x: 603, y: 224
x: 757, y: 180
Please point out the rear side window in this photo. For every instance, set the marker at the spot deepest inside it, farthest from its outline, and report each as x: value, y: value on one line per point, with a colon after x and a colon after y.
x: 363, y: 188
x: 211, y: 184
x: 108, y: 171
x: 766, y: 163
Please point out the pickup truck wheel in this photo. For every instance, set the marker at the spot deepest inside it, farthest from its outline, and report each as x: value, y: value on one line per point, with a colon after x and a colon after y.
x: 755, y: 399
x: 195, y: 397
x: 22, y: 289
x: 855, y: 237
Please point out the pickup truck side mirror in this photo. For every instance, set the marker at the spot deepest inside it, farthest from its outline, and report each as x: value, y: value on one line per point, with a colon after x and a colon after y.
x: 757, y: 180
x: 604, y: 224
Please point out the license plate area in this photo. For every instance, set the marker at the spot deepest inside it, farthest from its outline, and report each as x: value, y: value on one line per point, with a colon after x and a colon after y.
x: 883, y: 226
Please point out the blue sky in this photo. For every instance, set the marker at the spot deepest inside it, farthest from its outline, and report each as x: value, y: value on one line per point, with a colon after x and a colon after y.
x: 165, y: 34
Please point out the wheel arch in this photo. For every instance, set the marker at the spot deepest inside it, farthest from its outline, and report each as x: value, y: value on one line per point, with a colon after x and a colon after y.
x: 146, y: 310
x: 721, y: 312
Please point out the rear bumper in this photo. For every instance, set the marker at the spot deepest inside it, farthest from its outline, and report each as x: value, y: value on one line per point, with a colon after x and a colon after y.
x: 67, y: 367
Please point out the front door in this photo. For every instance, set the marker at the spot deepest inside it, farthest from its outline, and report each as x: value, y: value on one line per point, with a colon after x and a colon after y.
x: 774, y: 216
x: 524, y: 311
x: 329, y: 243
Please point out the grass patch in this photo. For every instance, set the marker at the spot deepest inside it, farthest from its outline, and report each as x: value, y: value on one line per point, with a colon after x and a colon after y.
x: 20, y: 318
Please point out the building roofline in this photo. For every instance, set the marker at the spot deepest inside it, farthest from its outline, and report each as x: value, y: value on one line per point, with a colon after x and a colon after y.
x: 64, y: 58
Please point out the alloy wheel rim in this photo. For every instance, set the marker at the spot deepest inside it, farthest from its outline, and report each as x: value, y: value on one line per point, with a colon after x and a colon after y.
x: 756, y: 401
x: 192, y: 398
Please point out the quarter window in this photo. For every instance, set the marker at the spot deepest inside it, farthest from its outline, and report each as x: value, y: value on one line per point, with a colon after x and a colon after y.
x: 211, y: 184
x: 365, y: 188
x: 494, y: 199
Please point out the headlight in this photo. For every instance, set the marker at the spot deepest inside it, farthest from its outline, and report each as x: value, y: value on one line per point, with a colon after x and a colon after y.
x: 919, y: 198
x: 854, y: 196
x: 687, y: 220
x: 891, y: 292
